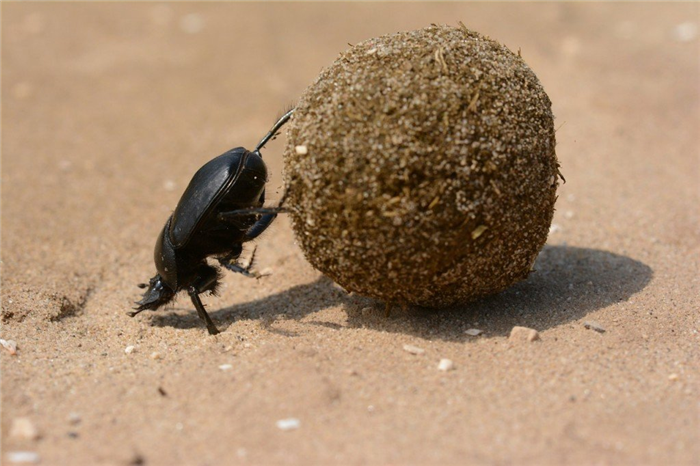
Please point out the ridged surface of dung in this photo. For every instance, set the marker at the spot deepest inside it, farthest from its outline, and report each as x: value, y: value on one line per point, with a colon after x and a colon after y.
x: 421, y: 168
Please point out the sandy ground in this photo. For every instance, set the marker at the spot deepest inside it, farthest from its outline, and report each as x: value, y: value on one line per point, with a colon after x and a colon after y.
x: 107, y: 111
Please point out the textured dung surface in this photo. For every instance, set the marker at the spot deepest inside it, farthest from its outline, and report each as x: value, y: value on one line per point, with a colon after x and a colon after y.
x: 430, y: 174
x: 109, y: 108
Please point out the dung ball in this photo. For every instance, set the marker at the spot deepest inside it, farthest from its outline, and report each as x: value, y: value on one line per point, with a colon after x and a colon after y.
x: 420, y: 168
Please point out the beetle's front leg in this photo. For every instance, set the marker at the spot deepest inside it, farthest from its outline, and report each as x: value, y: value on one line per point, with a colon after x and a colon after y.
x: 194, y: 295
x: 206, y: 281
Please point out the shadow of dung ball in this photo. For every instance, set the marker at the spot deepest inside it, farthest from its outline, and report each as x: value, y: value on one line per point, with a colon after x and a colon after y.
x: 421, y: 168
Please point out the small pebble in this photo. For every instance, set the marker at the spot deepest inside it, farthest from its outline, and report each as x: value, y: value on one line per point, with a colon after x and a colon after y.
x: 10, y: 346
x: 225, y: 367
x: 129, y: 349
x: 22, y: 457
x: 288, y: 424
x: 685, y: 32
x: 673, y: 377
x: 301, y: 150
x: 23, y: 429
x: 553, y: 228
x: 523, y: 333
x: 156, y: 355
x: 169, y: 185
x: 593, y: 325
x: 446, y: 365
x: 74, y: 418
x: 474, y: 332
x: 413, y: 349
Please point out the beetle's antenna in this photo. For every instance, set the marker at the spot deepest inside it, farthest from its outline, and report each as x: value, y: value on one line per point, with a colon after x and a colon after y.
x: 273, y: 131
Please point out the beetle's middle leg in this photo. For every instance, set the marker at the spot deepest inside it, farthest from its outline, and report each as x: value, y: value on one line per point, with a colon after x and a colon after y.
x: 229, y: 263
x: 269, y: 214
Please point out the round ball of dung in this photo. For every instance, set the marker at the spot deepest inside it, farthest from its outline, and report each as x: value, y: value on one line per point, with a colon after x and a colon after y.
x: 420, y: 168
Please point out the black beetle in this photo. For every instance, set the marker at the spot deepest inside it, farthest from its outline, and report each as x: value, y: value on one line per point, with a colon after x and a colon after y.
x: 219, y: 211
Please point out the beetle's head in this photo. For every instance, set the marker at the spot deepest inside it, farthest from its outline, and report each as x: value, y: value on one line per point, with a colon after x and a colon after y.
x: 156, y: 295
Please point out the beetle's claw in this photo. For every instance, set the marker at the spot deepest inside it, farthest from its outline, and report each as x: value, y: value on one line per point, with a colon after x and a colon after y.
x: 142, y: 285
x: 135, y: 311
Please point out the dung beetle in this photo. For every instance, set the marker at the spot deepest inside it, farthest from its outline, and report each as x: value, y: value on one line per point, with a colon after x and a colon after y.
x: 221, y: 209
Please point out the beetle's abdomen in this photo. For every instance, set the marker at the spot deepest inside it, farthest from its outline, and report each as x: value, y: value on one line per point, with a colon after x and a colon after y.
x: 208, y: 187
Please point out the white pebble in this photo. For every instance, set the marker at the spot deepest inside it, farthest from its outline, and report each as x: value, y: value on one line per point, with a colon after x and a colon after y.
x: 23, y: 457
x: 288, y: 424
x: 301, y: 150
x: 156, y: 355
x: 413, y: 349
x: 169, y: 185
x: 225, y: 367
x: 685, y: 32
x: 523, y: 333
x: 23, y: 429
x: 593, y: 325
x: 129, y: 349
x: 474, y: 332
x: 9, y: 345
x: 554, y: 228
x: 446, y: 365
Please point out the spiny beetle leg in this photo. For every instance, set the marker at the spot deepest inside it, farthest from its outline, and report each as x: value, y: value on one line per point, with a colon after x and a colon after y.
x: 259, y: 210
x: 194, y: 295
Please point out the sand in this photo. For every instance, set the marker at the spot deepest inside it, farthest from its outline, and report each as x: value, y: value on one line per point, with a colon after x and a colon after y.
x: 107, y: 111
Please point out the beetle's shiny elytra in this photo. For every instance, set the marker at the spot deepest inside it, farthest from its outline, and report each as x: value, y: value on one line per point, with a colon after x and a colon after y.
x: 221, y: 209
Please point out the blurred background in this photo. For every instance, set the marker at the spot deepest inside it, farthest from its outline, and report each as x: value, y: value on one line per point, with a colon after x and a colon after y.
x: 109, y: 108
x: 120, y: 103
